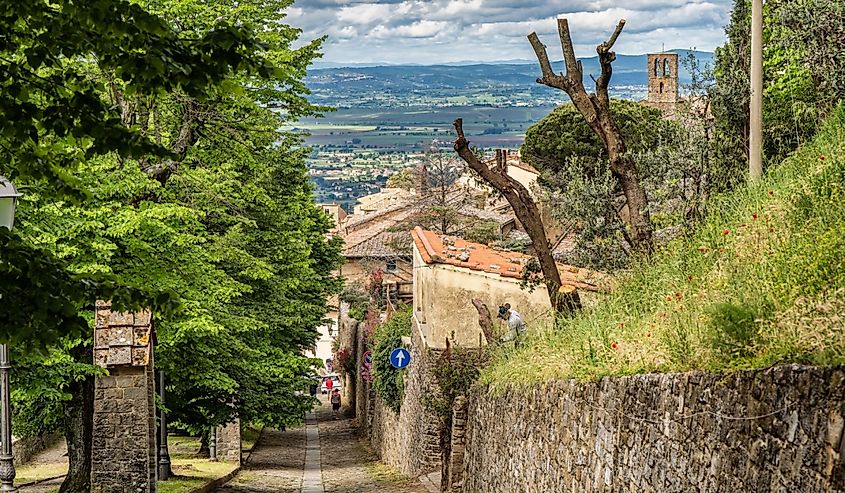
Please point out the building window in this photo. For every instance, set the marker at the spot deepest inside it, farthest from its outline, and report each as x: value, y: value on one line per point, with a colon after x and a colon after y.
x: 656, y: 64
x: 391, y: 265
x: 661, y: 88
x: 667, y: 68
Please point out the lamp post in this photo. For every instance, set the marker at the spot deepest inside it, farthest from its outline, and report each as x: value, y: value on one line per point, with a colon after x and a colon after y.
x: 212, y: 446
x: 163, y: 454
x: 8, y: 200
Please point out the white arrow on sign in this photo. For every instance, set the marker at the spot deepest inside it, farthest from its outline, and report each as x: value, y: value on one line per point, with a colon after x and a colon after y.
x: 400, y: 357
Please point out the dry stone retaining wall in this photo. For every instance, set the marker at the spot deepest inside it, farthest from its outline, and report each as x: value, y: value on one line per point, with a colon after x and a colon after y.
x: 774, y: 430
x: 410, y: 440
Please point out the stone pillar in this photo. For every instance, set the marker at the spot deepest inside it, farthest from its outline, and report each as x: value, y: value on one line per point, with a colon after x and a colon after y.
x: 229, y: 442
x: 456, y: 458
x: 124, y: 439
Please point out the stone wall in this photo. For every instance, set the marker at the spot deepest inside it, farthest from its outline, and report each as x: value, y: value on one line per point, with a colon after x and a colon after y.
x: 774, y: 430
x: 408, y: 441
x: 124, y: 449
x: 229, y: 442
x: 24, y: 449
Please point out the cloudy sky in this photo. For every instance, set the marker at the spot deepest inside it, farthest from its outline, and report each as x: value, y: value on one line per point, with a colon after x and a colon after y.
x: 439, y: 31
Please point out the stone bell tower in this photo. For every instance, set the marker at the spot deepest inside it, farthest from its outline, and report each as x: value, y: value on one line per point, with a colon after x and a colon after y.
x: 662, y: 77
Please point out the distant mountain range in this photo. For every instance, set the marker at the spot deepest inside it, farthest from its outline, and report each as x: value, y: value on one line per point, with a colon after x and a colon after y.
x: 628, y: 70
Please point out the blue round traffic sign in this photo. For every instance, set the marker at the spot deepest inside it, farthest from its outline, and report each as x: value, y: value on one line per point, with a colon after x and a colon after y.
x: 400, y: 357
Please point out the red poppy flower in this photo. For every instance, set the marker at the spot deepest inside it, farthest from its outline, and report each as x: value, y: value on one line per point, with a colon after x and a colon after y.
x: 743, y: 225
x: 771, y: 192
x: 821, y: 157
x: 754, y: 216
x: 614, y: 346
x: 648, y: 334
x: 669, y: 298
x: 726, y: 232
x: 689, y: 278
x: 678, y: 295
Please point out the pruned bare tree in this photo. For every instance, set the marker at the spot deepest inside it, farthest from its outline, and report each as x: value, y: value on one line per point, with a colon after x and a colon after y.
x: 595, y: 108
x: 526, y: 210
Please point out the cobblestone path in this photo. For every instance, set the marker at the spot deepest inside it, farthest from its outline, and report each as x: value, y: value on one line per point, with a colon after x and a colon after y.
x: 349, y: 466
x: 279, y: 462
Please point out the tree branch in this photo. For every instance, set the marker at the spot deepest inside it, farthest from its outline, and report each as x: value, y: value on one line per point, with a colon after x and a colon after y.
x: 573, y: 66
x: 526, y: 211
x: 606, y: 58
x: 549, y: 77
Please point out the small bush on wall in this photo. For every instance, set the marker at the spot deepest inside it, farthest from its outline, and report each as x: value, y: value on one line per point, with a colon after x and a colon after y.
x: 387, y: 337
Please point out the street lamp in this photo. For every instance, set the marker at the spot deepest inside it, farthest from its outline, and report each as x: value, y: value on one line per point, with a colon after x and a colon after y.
x: 8, y: 200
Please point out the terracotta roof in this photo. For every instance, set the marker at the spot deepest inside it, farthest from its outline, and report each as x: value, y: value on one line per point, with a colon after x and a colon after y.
x: 380, y: 245
x: 436, y: 249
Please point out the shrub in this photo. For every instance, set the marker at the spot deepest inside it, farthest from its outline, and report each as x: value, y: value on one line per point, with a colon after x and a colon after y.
x: 387, y: 380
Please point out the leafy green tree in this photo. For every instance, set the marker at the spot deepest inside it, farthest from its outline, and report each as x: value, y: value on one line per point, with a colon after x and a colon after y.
x: 802, y: 69
x: 580, y: 185
x: 209, y: 202
x: 388, y: 380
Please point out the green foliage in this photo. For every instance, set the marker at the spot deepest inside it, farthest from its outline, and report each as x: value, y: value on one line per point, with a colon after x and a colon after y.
x: 403, y: 179
x: 387, y: 380
x: 455, y: 372
x: 555, y: 140
x: 216, y: 209
x: 358, y: 299
x: 758, y: 283
x: 581, y: 190
x: 734, y: 329
x: 803, y: 77
x: 485, y: 232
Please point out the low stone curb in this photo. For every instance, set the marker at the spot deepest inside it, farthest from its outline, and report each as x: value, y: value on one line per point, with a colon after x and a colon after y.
x: 213, y: 485
x: 39, y: 481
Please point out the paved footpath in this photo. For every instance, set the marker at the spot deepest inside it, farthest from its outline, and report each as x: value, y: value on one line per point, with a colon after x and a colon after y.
x: 324, y: 456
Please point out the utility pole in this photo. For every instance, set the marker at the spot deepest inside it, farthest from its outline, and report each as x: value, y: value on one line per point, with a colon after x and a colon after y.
x: 755, y: 151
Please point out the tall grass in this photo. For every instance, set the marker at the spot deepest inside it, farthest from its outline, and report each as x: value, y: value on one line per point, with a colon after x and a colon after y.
x: 762, y: 281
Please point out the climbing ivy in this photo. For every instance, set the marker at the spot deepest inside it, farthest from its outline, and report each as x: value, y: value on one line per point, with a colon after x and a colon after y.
x: 388, y: 380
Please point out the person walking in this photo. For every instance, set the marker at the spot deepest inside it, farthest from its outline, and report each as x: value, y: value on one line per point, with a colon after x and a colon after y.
x: 335, y: 400
x: 516, y: 327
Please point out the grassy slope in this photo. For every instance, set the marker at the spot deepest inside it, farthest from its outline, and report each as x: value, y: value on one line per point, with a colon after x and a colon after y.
x: 761, y: 282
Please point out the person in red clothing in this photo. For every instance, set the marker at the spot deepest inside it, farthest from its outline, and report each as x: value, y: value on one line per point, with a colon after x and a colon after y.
x: 329, y: 385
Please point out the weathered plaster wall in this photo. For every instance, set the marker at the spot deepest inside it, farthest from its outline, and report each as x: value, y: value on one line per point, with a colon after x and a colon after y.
x: 443, y: 301
x: 774, y: 430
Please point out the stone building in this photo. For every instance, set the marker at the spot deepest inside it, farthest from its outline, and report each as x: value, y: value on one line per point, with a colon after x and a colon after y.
x: 449, y: 272
x: 663, y: 78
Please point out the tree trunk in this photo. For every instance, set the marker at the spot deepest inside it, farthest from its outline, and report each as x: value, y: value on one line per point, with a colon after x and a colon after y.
x: 79, y: 430
x: 204, y: 450
x: 635, y: 194
x: 595, y: 108
x: 563, y: 301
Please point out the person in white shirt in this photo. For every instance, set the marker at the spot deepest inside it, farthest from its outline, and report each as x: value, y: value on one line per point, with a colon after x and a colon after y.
x: 516, y: 327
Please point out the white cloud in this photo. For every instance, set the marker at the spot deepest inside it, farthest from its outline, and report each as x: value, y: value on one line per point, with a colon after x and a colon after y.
x: 432, y: 31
